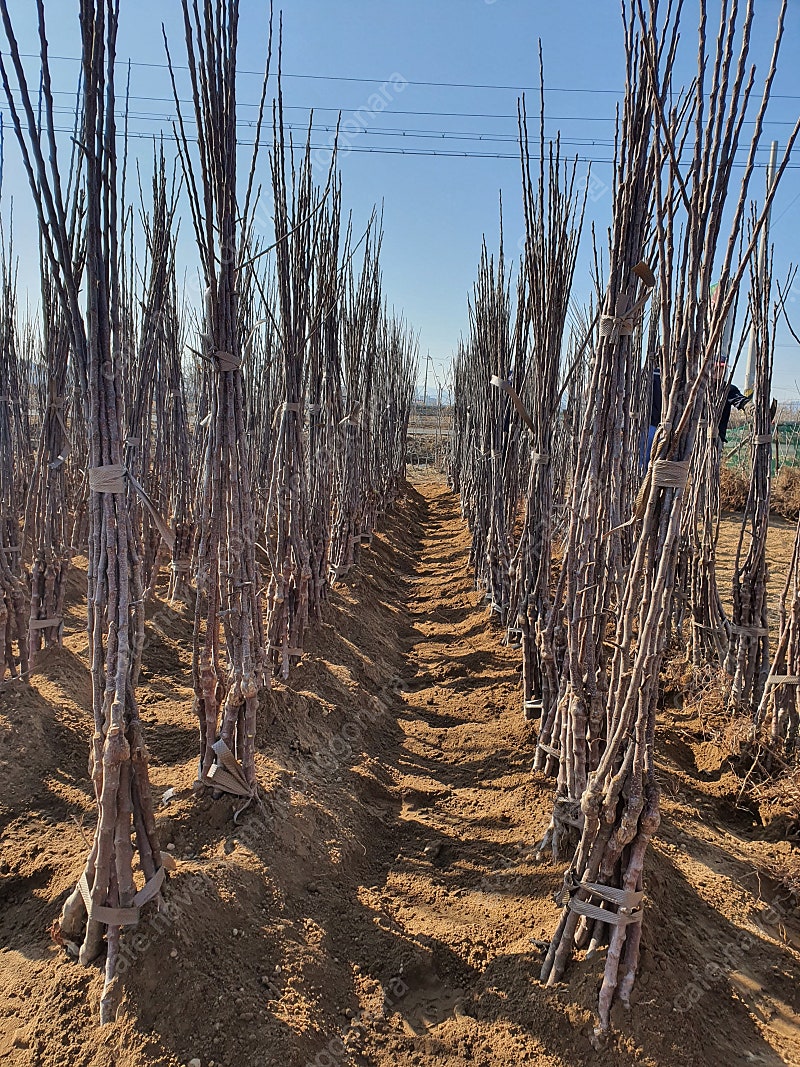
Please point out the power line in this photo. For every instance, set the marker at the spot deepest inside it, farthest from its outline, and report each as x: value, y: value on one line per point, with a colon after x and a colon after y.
x: 379, y: 81
x: 372, y: 131
x: 169, y: 137
x: 392, y: 151
x: 403, y: 133
x: 308, y: 108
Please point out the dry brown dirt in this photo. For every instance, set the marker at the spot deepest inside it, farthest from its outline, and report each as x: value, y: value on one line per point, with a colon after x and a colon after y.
x: 383, y: 907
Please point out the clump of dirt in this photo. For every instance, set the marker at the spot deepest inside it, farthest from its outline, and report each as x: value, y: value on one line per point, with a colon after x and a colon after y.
x: 779, y: 805
x: 383, y: 905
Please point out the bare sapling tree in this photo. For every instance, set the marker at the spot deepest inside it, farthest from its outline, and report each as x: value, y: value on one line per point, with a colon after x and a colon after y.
x: 747, y: 662
x: 620, y: 804
x: 14, y: 450
x: 299, y: 228
x: 574, y: 726
x: 47, y: 507
x: 351, y: 389
x: 778, y: 712
x: 106, y: 898
x: 153, y: 337
x: 323, y: 393
x: 553, y: 222
x: 55, y: 460
x: 229, y: 595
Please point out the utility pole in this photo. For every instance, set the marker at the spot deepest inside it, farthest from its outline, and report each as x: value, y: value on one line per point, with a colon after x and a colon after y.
x: 425, y: 393
x: 763, y: 251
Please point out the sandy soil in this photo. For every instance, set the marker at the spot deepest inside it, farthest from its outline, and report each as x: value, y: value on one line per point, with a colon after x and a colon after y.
x: 384, y: 906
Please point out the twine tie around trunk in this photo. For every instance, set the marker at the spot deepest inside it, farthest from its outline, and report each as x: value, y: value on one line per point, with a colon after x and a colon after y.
x: 670, y: 474
x: 110, y: 478
x: 615, y: 326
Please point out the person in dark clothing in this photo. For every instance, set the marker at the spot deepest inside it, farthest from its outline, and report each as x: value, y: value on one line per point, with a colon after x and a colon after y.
x: 734, y: 399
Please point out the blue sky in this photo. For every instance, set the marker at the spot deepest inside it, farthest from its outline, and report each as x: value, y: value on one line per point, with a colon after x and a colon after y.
x: 436, y: 207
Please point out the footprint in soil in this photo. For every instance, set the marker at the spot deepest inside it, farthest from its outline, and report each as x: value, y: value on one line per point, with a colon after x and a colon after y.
x: 425, y: 1009
x: 411, y: 685
x: 416, y: 798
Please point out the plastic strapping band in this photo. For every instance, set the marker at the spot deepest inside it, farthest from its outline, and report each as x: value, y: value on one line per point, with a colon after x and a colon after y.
x: 220, y: 778
x: 290, y: 407
x: 228, y: 774
x: 507, y: 387
x: 614, y: 918
x: 783, y: 679
x: 610, y: 893
x: 44, y: 624
x: 167, y: 534
x: 121, y: 916
x: 150, y: 889
x: 749, y: 631
x: 763, y: 439
x: 290, y: 651
x: 226, y: 361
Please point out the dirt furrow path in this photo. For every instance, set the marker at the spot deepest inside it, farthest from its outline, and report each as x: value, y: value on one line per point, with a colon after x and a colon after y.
x: 463, y: 882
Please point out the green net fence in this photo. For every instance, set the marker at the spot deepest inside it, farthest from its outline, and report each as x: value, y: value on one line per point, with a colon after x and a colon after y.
x: 785, y: 447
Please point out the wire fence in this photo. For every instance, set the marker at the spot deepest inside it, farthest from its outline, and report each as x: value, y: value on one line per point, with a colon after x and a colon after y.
x: 429, y: 430
x: 785, y: 445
